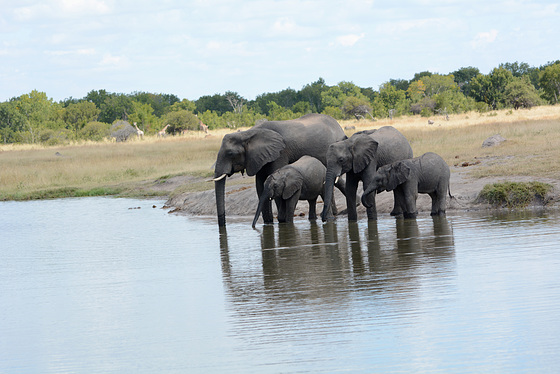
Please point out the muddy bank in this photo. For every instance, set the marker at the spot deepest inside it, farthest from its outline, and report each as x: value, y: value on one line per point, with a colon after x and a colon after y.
x: 241, y: 197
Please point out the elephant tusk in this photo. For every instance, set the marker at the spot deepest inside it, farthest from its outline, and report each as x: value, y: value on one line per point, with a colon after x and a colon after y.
x: 336, y: 180
x: 220, y: 178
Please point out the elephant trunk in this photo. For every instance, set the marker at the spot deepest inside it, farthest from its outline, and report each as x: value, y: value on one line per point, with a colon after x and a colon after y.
x: 219, y: 188
x: 262, y: 201
x: 328, y: 193
x: 365, y: 196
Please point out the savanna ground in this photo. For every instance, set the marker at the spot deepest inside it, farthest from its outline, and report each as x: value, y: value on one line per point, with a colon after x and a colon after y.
x: 178, y: 167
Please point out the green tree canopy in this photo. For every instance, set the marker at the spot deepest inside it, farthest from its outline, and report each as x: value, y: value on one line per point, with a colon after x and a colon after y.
x: 76, y: 116
x: 180, y: 121
x: 550, y: 82
x: 520, y: 93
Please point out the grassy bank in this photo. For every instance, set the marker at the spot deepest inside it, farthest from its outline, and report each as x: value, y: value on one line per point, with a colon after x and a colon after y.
x: 101, y: 168
x: 29, y: 172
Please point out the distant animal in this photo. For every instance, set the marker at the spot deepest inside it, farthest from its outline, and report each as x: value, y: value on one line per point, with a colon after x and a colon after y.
x: 203, y: 127
x: 139, y: 132
x: 163, y: 132
x: 301, y: 180
x: 427, y: 174
x: 430, y: 122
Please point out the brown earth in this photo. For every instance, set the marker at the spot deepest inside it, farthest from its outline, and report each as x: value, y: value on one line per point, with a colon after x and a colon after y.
x: 241, y: 197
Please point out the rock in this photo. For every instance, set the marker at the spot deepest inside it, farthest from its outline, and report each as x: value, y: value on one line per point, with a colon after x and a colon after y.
x: 494, y: 140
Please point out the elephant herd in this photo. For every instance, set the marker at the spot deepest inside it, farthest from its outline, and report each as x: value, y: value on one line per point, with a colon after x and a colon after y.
x: 305, y: 158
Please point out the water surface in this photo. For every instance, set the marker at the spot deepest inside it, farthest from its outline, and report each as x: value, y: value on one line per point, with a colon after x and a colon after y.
x: 96, y: 285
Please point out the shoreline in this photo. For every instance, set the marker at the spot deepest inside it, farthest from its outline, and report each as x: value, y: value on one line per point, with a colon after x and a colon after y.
x: 241, y: 197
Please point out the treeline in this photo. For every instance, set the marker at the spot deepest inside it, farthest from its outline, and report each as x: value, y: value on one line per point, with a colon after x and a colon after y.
x: 33, y: 117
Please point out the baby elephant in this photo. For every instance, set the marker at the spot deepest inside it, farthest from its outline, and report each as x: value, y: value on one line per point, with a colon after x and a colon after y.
x: 425, y: 174
x: 301, y: 180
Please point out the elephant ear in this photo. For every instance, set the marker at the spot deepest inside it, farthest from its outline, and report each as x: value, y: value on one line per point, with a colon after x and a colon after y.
x: 397, y: 175
x: 364, y: 149
x: 262, y: 147
x: 292, y: 186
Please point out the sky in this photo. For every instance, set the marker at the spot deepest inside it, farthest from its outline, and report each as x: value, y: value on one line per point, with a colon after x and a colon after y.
x: 66, y: 48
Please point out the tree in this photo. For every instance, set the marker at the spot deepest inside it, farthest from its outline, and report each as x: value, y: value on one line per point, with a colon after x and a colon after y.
x: 279, y: 113
x: 36, y: 109
x: 391, y: 99
x: 312, y: 93
x: 12, y: 121
x: 437, y: 83
x: 180, y: 121
x: 357, y: 107
x: 490, y: 88
x: 520, y: 93
x: 464, y: 76
x: 77, y: 115
x: 416, y: 91
x: 335, y: 96
x: 518, y: 69
x: 183, y: 105
x: 115, y: 107
x: 143, y: 114
x: 550, y: 83
x: 217, y: 103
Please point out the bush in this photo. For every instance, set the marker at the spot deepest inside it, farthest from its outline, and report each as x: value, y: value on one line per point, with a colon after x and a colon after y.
x: 122, y: 131
x: 514, y: 194
x: 95, y: 131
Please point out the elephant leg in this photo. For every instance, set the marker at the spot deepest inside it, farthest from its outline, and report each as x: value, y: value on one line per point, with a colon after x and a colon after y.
x: 267, y: 208
x: 371, y: 208
x: 351, y: 191
x: 410, y: 194
x: 399, y: 202
x: 290, y: 207
x: 439, y: 202
x: 312, y: 209
x: 281, y: 206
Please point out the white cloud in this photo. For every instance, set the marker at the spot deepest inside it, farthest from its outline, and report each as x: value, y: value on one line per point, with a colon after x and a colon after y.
x: 61, y: 9
x: 349, y: 40
x: 483, y: 38
x: 113, y: 62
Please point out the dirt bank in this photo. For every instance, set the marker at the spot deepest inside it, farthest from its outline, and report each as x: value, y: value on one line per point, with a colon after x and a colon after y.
x: 241, y: 197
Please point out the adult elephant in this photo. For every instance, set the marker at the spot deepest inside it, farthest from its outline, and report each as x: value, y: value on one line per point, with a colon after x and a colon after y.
x: 269, y: 146
x: 359, y: 157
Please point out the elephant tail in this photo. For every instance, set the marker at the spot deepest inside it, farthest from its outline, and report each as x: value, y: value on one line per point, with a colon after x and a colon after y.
x: 449, y: 191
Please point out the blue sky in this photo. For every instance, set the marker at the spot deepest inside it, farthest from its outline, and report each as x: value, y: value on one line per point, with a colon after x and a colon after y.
x: 67, y: 48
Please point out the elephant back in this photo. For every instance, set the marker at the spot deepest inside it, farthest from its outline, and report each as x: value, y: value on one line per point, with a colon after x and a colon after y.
x: 309, y: 135
x: 393, y: 145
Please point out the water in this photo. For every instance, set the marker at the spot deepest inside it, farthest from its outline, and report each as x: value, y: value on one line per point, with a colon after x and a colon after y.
x: 93, y: 286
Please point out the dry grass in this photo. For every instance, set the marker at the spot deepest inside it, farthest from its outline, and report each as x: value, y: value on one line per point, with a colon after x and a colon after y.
x: 28, y: 169
x: 532, y: 149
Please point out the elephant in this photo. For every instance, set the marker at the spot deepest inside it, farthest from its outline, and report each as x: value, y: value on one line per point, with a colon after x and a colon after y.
x: 269, y: 146
x: 359, y: 157
x: 427, y: 174
x: 302, y: 180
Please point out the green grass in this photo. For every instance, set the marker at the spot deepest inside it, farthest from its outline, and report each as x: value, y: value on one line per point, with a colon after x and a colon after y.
x: 514, y: 194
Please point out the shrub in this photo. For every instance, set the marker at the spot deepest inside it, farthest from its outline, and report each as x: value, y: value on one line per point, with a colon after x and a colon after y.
x: 514, y: 194
x: 95, y: 131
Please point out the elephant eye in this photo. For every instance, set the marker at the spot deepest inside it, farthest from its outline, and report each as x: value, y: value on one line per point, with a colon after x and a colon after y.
x: 341, y: 160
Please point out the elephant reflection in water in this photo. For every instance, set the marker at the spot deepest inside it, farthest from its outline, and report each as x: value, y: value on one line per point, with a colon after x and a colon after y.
x: 311, y: 261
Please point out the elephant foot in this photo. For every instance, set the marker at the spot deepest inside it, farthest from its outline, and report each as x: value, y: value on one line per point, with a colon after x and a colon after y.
x: 410, y: 215
x: 396, y: 213
x: 439, y: 213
